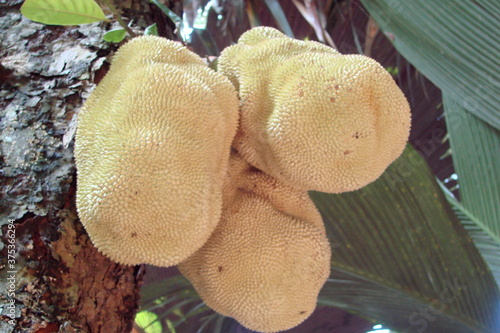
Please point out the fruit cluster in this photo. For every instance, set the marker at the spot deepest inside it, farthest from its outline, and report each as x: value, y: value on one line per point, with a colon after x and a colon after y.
x: 181, y: 165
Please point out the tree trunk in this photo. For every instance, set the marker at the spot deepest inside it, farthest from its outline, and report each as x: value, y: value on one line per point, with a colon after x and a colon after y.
x: 52, y: 279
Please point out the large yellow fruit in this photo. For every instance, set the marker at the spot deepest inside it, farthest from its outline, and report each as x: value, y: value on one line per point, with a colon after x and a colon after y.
x: 151, y: 150
x: 267, y: 259
x: 311, y: 117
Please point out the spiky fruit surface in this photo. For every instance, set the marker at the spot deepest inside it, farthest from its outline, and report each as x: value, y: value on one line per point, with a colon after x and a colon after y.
x: 311, y: 117
x: 151, y: 150
x: 267, y: 259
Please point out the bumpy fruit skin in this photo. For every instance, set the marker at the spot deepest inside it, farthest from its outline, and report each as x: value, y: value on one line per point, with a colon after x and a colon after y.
x: 151, y: 150
x: 311, y: 117
x: 267, y: 259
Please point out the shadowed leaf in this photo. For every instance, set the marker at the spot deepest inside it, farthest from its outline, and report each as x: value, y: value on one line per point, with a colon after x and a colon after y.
x: 398, y: 248
x: 279, y: 16
x: 453, y: 43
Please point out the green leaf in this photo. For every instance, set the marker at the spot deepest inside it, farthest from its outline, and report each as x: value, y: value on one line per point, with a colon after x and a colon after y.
x: 194, y: 311
x: 207, y: 41
x: 174, y: 285
x: 170, y: 14
x: 174, y: 291
x: 115, y: 36
x: 279, y: 16
x: 148, y: 321
x: 173, y: 17
x: 486, y: 243
x: 62, y: 12
x: 251, y: 8
x: 454, y: 43
x: 218, y: 325
x: 151, y: 30
x: 401, y: 258
x: 475, y: 150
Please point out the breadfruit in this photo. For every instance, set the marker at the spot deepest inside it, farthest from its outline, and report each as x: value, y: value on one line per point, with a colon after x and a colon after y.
x: 311, y: 117
x: 268, y: 258
x: 152, y: 148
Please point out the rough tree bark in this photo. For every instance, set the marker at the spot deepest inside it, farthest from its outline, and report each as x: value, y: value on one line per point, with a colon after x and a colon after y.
x: 51, y: 277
